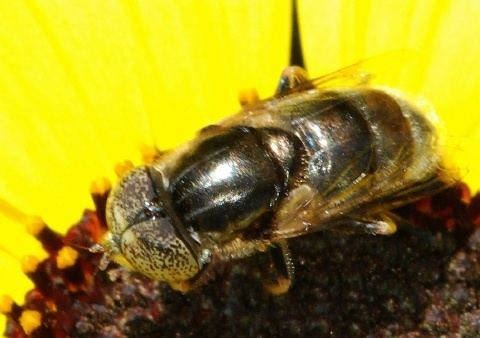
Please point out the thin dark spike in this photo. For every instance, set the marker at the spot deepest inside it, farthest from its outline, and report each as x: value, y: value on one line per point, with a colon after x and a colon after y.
x: 296, y: 53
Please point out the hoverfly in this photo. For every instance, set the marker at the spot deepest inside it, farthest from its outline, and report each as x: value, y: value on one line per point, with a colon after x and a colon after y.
x: 332, y: 153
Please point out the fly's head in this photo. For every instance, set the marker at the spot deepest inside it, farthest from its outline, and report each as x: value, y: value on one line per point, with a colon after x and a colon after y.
x: 145, y: 234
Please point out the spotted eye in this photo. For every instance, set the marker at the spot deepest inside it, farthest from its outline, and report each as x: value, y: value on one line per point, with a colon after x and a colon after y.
x: 155, y: 248
x: 126, y: 203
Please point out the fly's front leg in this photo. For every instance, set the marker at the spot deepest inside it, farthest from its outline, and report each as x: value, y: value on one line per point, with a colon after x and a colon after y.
x: 280, y: 271
x: 235, y: 249
x: 206, y: 274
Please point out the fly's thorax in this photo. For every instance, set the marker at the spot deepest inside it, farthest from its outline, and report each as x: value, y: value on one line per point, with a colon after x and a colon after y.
x: 229, y: 179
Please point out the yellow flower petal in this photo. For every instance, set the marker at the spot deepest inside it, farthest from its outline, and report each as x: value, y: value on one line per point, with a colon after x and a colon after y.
x: 444, y: 35
x: 84, y: 84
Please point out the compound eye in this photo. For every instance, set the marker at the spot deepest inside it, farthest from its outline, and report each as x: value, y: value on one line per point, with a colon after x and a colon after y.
x: 126, y: 204
x: 154, y: 249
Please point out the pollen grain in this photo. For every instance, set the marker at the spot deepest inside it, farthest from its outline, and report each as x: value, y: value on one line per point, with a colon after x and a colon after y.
x: 30, y: 320
x: 67, y: 256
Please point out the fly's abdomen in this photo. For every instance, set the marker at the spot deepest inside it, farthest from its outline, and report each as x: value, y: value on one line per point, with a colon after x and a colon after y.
x: 350, y: 134
x: 337, y: 142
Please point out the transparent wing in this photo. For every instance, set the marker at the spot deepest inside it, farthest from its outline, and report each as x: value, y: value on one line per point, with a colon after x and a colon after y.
x: 307, y: 210
x: 384, y: 69
x: 408, y: 165
x: 414, y: 170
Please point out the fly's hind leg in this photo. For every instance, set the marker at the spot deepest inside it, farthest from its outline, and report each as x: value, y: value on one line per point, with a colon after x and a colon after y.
x: 280, y: 272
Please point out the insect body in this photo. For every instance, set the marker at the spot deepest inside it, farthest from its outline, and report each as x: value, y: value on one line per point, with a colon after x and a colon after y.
x: 308, y: 159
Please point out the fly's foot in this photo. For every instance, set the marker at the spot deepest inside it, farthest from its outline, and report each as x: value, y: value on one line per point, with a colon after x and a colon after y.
x: 280, y: 286
x: 181, y: 286
x: 279, y: 275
